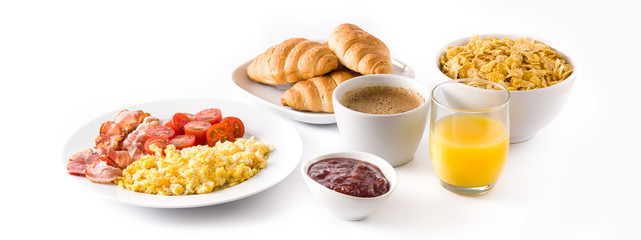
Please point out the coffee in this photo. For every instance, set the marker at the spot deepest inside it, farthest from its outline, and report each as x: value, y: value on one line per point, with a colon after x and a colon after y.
x: 382, y: 100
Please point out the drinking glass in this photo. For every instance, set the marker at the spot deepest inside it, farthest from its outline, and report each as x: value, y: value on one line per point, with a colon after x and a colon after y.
x: 469, y: 134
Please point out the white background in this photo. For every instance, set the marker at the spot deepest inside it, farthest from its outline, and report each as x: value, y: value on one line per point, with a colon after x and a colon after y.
x: 63, y: 63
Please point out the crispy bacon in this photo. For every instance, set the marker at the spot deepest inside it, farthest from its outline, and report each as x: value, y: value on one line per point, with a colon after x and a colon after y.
x: 124, y: 123
x: 104, y: 163
x: 103, y: 170
x: 110, y: 128
x: 135, y: 142
x: 120, y: 157
x: 113, y: 142
x: 78, y: 162
x: 136, y: 154
x: 129, y: 120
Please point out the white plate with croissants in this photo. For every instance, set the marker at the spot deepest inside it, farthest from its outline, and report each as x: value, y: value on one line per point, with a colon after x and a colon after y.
x: 297, y: 76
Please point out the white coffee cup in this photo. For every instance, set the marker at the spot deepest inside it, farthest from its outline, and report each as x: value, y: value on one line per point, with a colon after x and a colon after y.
x: 393, y: 137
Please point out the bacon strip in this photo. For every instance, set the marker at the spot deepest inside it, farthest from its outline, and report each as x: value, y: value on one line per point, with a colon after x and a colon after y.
x: 104, y: 163
x: 135, y: 142
x: 78, y: 162
x: 103, y: 170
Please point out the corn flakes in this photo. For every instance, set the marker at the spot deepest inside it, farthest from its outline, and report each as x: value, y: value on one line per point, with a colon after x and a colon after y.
x: 519, y: 64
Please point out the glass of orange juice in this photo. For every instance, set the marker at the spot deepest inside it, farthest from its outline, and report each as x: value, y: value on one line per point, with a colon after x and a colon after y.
x: 469, y: 134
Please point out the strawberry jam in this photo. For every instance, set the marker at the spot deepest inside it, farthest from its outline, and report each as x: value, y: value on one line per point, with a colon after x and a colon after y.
x: 350, y: 176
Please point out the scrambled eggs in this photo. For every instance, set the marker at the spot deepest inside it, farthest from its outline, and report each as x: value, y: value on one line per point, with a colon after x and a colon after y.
x: 195, y: 170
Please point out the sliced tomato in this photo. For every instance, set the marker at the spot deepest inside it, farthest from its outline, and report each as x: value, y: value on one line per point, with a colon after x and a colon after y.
x: 219, y: 132
x: 159, y: 142
x: 183, y: 141
x: 179, y: 120
x: 211, y: 115
x: 236, y: 125
x: 199, y: 130
x: 160, y: 131
x: 169, y: 123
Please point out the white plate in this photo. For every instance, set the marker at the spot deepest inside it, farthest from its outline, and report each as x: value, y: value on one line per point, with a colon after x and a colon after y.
x: 270, y: 95
x: 263, y: 125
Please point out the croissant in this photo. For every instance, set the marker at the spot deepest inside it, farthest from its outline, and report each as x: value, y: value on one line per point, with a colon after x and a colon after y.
x: 315, y: 94
x: 360, y: 51
x: 292, y: 60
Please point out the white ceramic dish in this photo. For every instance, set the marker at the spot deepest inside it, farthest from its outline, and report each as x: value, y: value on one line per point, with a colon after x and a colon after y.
x: 342, y: 205
x: 262, y: 124
x: 530, y: 110
x: 270, y: 95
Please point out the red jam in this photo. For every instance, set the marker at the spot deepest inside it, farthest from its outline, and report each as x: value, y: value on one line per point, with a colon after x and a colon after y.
x: 349, y: 176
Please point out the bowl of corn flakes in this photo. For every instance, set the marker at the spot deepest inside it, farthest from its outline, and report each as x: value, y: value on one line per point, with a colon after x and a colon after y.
x: 538, y: 75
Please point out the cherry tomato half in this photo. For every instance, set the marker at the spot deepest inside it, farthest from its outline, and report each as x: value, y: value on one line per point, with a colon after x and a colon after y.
x: 183, y: 141
x: 199, y: 130
x: 211, y: 115
x: 236, y: 125
x: 179, y: 120
x: 159, y: 142
x: 219, y: 132
x: 160, y: 131
x: 169, y: 123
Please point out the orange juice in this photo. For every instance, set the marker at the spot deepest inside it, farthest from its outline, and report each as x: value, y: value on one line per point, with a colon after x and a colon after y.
x: 468, y: 150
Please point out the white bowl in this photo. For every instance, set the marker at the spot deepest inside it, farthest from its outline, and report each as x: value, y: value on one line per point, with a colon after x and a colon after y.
x: 346, y: 206
x: 530, y: 110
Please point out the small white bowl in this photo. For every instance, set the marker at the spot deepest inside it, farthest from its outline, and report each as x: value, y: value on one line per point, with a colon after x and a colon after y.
x: 530, y: 110
x: 346, y: 206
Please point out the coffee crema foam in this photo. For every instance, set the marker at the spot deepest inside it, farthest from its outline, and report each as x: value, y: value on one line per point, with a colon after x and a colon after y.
x: 382, y: 100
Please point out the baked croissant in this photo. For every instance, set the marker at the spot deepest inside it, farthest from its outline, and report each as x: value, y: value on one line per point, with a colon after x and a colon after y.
x: 292, y: 60
x: 315, y: 94
x: 360, y: 51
